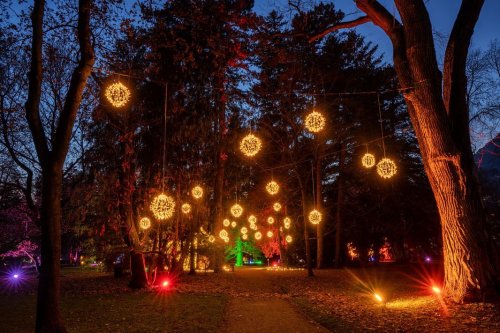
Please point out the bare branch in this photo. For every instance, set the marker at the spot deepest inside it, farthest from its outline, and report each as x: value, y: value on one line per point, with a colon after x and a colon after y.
x: 342, y: 25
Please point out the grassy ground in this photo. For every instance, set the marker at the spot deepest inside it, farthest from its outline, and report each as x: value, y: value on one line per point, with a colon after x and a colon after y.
x: 340, y: 300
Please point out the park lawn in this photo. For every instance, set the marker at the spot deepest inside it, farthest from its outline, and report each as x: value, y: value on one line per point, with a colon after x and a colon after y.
x: 124, y: 312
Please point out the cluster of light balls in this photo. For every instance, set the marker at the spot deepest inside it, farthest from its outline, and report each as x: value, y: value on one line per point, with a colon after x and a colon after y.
x: 250, y: 145
x: 315, y: 122
x: 117, y: 94
x: 145, y: 223
x: 287, y: 222
x: 224, y: 235
x: 386, y: 168
x: 162, y: 206
x: 315, y: 216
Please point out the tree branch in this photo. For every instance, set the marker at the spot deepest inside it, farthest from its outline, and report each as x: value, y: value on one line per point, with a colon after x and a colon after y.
x: 35, y: 84
x: 77, y: 85
x: 342, y: 25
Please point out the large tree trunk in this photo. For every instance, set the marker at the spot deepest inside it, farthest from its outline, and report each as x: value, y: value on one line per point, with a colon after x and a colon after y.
x: 338, y: 217
x: 49, y: 317
x: 305, y: 213
x: 319, y: 200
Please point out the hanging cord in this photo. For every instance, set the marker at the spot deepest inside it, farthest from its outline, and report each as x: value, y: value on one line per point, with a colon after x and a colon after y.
x: 164, y: 137
x: 381, y: 126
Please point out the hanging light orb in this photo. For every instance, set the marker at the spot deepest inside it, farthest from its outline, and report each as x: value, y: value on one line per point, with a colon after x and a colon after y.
x: 226, y: 222
x: 226, y: 239
x: 117, y: 94
x: 315, y: 217
x: 272, y: 187
x: 258, y: 235
x: 270, y: 220
x: 287, y: 222
x: 270, y: 234
x: 252, y: 219
x: 386, y: 168
x: 234, y: 224
x: 288, y: 239
x: 253, y: 226
x: 223, y: 234
x: 244, y: 230
x: 250, y: 145
x: 197, y: 192
x: 368, y: 160
x: 236, y: 210
x: 277, y: 206
x: 186, y: 208
x: 211, y: 238
x: 163, y: 206
x: 244, y: 236
x: 315, y: 122
x: 145, y: 223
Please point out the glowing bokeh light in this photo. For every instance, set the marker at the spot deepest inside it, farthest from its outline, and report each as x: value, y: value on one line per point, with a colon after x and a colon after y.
x: 258, y: 235
x: 145, y: 223
x: 117, y: 94
x: 250, y: 145
x: 244, y: 230
x: 270, y: 220
x: 277, y: 206
x: 226, y: 222
x: 272, y: 187
x: 244, y: 236
x: 368, y: 160
x: 223, y: 234
x: 163, y: 206
x: 197, y: 192
x: 315, y: 217
x: 234, y: 224
x: 270, y: 234
x: 288, y: 239
x: 378, y: 297
x: 315, y: 122
x: 386, y: 168
x: 436, y: 290
x: 186, y: 208
x: 236, y: 210
x: 252, y: 219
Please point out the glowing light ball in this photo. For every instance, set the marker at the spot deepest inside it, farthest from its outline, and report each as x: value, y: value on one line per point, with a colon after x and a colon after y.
x: 197, y: 192
x: 253, y: 226
x: 165, y: 284
x: 236, y: 210
x: 386, y: 168
x: 145, y: 223
x: 270, y: 220
x: 244, y: 236
x: 315, y: 217
x: 368, y: 160
x: 234, y: 224
x: 163, y: 206
x: 223, y: 234
x: 436, y: 290
x: 272, y: 187
x: 378, y: 297
x: 252, y: 219
x: 258, y: 235
x: 244, y: 230
x: 186, y: 208
x: 288, y: 239
x: 15, y: 276
x: 269, y: 234
x: 277, y: 206
x: 287, y: 222
x: 226, y: 239
x: 315, y: 122
x: 117, y: 94
x: 226, y: 223
x: 211, y: 238
x: 250, y: 145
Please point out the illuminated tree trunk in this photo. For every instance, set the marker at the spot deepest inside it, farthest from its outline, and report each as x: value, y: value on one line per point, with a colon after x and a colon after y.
x: 239, y: 253
x: 338, y: 216
x: 439, y: 114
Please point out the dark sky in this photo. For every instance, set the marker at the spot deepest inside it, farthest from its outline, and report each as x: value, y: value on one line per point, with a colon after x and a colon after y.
x: 442, y: 13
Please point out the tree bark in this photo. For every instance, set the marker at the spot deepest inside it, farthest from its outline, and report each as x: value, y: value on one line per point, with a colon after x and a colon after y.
x: 319, y: 200
x: 338, y: 216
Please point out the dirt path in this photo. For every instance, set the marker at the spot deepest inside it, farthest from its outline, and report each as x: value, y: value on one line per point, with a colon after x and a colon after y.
x: 260, y: 307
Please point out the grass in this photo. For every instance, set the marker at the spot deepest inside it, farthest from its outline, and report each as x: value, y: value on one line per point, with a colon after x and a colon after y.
x: 126, y: 312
